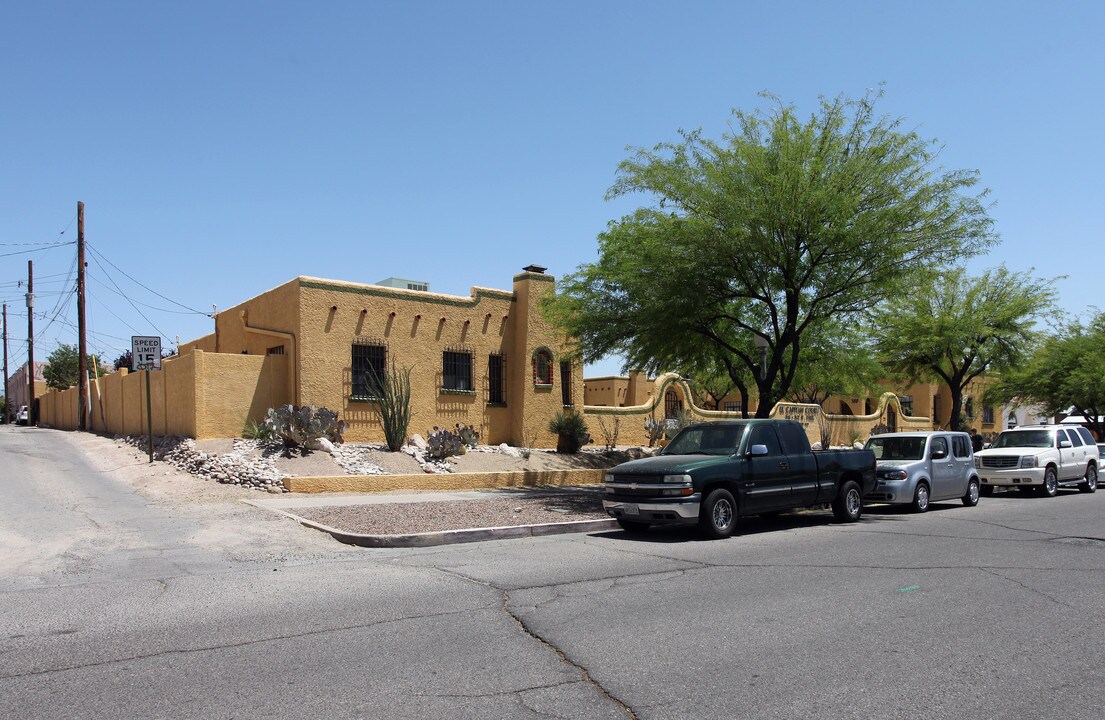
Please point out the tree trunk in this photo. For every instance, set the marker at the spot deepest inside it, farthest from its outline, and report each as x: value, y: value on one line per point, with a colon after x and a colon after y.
x: 957, y: 406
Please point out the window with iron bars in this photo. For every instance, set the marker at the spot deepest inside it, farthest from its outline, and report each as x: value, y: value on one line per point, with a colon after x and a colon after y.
x: 566, y: 383
x: 369, y: 368
x: 456, y: 371
x: 496, y: 376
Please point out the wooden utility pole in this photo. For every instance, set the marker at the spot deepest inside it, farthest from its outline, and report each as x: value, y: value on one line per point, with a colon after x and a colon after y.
x: 7, y: 395
x: 32, y: 416
x: 82, y: 343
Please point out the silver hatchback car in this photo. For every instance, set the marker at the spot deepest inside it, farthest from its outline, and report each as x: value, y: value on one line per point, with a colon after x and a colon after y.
x: 918, y: 468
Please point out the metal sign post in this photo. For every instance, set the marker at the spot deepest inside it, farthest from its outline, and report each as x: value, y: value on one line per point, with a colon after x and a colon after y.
x: 145, y: 353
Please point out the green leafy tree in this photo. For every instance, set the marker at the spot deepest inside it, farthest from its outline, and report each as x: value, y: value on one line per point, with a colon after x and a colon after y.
x: 1067, y: 370
x: 837, y: 359
x: 782, y: 226
x: 63, y: 367
x: 952, y: 327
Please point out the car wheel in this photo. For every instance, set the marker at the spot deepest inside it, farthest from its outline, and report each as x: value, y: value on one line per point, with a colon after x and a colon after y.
x: 848, y: 504
x: 633, y: 526
x: 1051, y: 483
x: 921, y: 498
x: 1091, y: 480
x: 718, y: 516
x: 987, y: 490
x: 971, y: 498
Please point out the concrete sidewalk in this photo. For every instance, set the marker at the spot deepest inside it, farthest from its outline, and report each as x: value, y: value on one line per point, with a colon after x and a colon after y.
x: 288, y: 506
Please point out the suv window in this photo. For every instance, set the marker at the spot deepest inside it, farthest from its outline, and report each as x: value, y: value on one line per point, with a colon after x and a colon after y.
x: 765, y: 435
x: 961, y: 446
x: 1086, y: 437
x: 1075, y: 439
x: 939, y: 448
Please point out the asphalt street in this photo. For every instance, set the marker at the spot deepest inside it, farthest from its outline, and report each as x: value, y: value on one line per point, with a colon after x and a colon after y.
x: 114, y: 605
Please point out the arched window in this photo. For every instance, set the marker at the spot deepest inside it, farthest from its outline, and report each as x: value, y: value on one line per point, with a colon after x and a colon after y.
x: 542, y: 367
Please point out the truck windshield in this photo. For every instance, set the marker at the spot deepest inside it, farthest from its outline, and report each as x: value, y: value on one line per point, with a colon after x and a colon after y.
x: 1025, y: 438
x: 706, y: 440
x: 897, y: 448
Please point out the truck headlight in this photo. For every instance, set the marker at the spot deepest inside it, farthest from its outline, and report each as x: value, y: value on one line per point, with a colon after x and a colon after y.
x: 1029, y: 461
x: 978, y: 462
x: 677, y: 479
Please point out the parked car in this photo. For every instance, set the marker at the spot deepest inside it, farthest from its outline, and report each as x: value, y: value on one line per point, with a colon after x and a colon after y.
x: 22, y: 415
x: 919, y: 468
x: 712, y: 473
x: 1041, y: 458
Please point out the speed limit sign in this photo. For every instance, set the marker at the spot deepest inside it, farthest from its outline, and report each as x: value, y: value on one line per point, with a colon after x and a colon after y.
x: 145, y: 352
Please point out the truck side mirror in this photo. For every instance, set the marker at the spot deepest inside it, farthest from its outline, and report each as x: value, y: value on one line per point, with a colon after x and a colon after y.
x: 1063, y: 444
x: 757, y: 450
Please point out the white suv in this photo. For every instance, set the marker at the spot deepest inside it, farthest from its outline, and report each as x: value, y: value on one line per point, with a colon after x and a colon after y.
x: 1040, y: 457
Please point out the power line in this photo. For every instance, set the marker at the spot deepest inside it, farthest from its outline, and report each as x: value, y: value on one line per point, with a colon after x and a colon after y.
x: 152, y: 307
x: 174, y: 302
x: 40, y: 250
x: 151, y: 322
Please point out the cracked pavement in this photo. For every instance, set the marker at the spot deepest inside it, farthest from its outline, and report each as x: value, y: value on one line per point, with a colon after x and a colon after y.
x: 122, y: 603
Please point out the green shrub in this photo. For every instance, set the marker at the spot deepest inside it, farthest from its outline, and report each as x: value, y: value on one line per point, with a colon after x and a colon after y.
x: 570, y: 430
x: 255, y: 431
x: 299, y: 426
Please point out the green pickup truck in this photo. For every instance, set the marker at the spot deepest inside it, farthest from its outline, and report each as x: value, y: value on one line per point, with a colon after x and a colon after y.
x: 713, y: 472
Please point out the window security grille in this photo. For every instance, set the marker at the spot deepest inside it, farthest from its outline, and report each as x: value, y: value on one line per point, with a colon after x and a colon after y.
x: 456, y: 370
x: 369, y: 368
x: 496, y: 373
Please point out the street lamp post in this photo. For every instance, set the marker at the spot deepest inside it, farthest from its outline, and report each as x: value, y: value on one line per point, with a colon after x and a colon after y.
x: 761, y: 343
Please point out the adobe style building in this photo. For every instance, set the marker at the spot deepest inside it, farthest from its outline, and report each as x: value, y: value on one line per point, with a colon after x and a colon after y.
x: 489, y: 360
x: 19, y: 386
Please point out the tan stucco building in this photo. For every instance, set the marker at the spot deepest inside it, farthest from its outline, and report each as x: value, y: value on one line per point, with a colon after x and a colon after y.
x: 489, y: 360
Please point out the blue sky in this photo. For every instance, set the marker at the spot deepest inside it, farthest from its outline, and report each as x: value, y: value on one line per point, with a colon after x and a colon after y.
x: 223, y: 148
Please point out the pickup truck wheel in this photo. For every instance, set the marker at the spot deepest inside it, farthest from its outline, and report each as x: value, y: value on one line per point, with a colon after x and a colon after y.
x: 848, y: 504
x: 718, y: 516
x: 921, y: 498
x: 973, y: 490
x: 633, y: 526
x: 1051, y: 483
x: 1090, y: 485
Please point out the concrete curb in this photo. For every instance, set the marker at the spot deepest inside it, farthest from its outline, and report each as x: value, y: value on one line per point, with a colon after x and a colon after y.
x: 449, y: 537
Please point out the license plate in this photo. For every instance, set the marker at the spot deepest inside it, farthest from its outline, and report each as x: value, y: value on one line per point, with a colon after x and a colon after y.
x: 631, y: 510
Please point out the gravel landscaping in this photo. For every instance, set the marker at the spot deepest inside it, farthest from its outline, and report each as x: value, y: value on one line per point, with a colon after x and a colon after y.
x: 419, y: 517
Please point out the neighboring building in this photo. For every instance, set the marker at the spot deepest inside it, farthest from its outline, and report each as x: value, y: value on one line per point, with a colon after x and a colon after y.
x: 394, y: 282
x: 617, y: 390
x: 18, y: 386
x: 490, y: 360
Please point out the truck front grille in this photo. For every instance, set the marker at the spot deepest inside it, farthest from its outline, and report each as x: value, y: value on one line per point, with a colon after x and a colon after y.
x: 1001, y: 462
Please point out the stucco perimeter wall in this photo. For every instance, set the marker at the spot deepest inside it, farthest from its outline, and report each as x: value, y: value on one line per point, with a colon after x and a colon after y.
x: 845, y: 429
x: 232, y: 389
x: 199, y: 395
x: 441, y: 481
